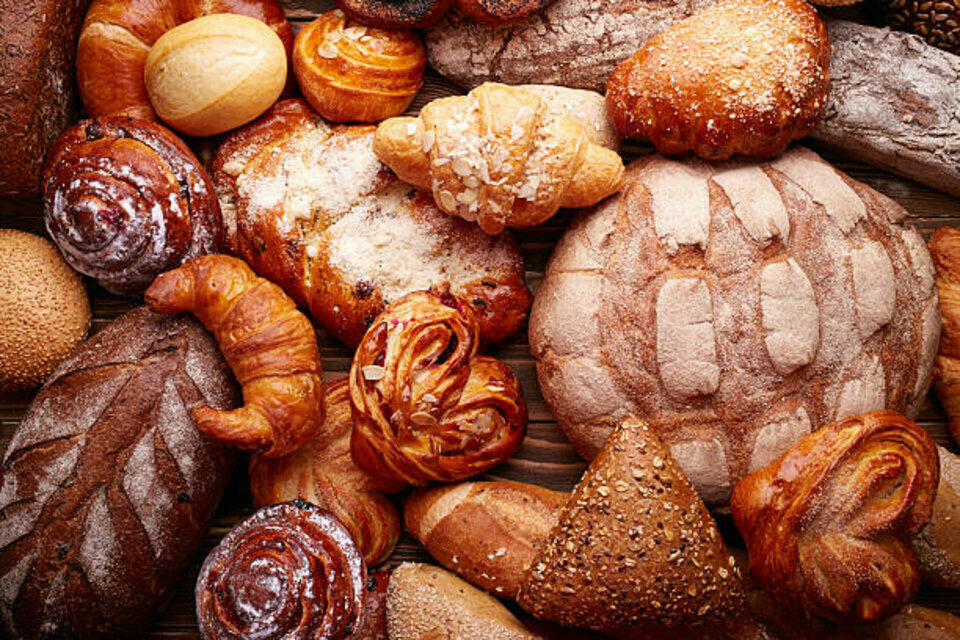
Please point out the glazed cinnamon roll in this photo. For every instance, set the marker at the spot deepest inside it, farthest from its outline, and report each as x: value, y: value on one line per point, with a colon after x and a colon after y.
x: 290, y: 571
x: 323, y: 472
x: 828, y: 524
x: 126, y: 200
x: 426, y: 407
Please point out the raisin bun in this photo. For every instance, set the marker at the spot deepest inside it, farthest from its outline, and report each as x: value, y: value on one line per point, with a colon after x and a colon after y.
x: 737, y: 307
x: 308, y: 206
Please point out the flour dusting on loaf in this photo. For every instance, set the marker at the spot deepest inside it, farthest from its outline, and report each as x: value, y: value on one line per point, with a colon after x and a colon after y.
x: 734, y: 329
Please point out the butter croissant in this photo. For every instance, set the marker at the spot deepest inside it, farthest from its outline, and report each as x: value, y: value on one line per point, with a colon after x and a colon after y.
x: 828, y: 524
x: 498, y: 156
x: 270, y: 346
x: 945, y: 251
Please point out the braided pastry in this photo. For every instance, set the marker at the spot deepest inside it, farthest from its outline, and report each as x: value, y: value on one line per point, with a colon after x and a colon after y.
x: 945, y: 251
x: 498, y: 156
x: 270, y: 346
x: 127, y: 200
x: 350, y: 73
x: 426, y: 407
x: 290, y: 571
x: 323, y: 473
x: 828, y: 524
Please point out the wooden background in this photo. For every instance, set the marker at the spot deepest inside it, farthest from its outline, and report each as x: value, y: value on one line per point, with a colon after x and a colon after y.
x: 545, y: 457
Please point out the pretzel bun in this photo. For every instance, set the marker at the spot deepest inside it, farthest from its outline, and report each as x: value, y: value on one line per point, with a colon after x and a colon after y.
x: 215, y: 73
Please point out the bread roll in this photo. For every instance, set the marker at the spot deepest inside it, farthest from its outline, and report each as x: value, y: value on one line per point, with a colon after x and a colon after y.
x: 44, y: 310
x: 514, y: 518
x: 38, y: 44
x: 351, y: 73
x: 107, y: 487
x: 428, y: 603
x: 938, y: 544
x: 215, y: 73
x: 765, y: 300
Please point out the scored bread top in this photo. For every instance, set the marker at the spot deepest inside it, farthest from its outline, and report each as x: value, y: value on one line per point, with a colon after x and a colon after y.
x: 309, y: 206
x: 736, y: 307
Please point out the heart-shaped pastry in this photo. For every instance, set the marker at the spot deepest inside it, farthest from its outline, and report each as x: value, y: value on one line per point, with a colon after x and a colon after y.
x: 426, y: 407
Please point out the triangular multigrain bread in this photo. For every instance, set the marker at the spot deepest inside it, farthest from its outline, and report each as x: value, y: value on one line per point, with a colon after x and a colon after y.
x: 635, y: 549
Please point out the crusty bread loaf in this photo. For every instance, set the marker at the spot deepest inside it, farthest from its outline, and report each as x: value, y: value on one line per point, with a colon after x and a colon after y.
x: 573, y: 43
x: 107, y: 487
x: 765, y: 300
x: 427, y: 603
x: 938, y: 543
x: 515, y: 519
x: 38, y: 100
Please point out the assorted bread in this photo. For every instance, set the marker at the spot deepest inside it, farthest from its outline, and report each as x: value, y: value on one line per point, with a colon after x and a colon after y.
x: 426, y: 407
x: 309, y: 206
x: 107, y: 487
x: 743, y: 333
x: 764, y: 301
x: 349, y: 72
x: 744, y: 77
x: 270, y: 346
x: 497, y: 156
x: 126, y: 200
x: 44, y: 310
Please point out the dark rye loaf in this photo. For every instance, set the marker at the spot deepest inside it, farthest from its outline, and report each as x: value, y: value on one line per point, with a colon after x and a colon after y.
x: 38, y: 97
x: 107, y: 487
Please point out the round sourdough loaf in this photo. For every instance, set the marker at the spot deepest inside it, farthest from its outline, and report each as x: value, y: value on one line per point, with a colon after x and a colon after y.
x: 737, y: 307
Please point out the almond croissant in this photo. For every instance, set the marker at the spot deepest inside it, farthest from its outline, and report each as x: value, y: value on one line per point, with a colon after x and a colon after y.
x: 828, y: 524
x: 498, y: 156
x: 270, y: 346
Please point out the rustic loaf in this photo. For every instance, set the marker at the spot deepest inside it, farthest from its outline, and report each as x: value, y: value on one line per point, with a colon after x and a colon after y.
x: 38, y: 100
x: 107, y: 487
x: 894, y: 104
x: 736, y: 307
x: 937, y: 545
x: 574, y: 43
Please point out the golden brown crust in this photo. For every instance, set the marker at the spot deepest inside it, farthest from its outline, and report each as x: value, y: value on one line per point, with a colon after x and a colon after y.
x: 351, y: 73
x: 485, y: 532
x: 323, y: 473
x: 498, y: 156
x: 945, y: 251
x: 635, y: 547
x: 426, y: 407
x: 270, y: 346
x: 288, y: 571
x: 743, y: 77
x: 937, y: 544
x: 828, y: 523
x: 118, y: 34
x: 126, y: 200
x: 309, y: 207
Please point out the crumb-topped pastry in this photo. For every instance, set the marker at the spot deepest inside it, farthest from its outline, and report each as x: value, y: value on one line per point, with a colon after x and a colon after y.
x: 308, y: 205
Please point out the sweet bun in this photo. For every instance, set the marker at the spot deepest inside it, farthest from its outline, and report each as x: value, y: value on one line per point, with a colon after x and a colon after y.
x: 117, y: 36
x: 44, y: 310
x: 215, y: 73
x: 742, y: 77
x: 351, y: 73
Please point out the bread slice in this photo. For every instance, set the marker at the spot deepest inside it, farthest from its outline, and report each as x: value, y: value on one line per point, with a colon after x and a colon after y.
x: 635, y: 549
x: 428, y: 603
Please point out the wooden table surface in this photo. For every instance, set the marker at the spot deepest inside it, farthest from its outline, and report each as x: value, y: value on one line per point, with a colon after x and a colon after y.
x: 545, y: 457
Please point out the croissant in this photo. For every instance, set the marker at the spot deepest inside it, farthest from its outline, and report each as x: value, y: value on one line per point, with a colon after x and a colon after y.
x: 270, y: 346
x: 500, y: 157
x: 828, y: 524
x: 426, y: 407
x: 945, y: 251
x: 288, y: 571
x: 323, y: 472
x: 126, y: 200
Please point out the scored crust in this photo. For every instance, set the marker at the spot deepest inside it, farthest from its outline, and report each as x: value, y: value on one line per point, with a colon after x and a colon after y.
x: 736, y: 307
x: 308, y: 206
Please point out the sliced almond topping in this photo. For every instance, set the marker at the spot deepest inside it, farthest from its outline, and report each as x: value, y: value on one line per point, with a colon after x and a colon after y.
x: 334, y: 36
x: 447, y: 201
x: 429, y: 137
x: 354, y: 32
x: 411, y: 129
x: 466, y: 197
x: 471, y: 182
x: 461, y: 167
x: 328, y: 50
x: 373, y: 372
x: 423, y: 419
x: 429, y: 398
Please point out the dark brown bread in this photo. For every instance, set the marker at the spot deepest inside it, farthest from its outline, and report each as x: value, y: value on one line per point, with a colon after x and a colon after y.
x: 107, y: 487
x: 38, y: 97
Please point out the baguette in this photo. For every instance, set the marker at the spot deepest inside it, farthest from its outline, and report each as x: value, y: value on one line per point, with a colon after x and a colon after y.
x: 515, y: 519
